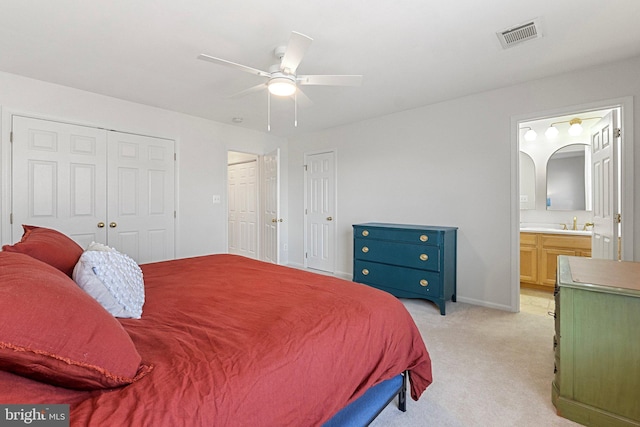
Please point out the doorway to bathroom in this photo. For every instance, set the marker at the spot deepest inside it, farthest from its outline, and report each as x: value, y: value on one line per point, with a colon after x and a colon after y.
x: 569, y: 199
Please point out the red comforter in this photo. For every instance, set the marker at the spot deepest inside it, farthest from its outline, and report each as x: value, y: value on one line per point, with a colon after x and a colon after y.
x: 238, y: 342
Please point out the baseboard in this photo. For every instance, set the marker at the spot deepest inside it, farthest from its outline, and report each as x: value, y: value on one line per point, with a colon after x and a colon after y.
x: 340, y: 274
x: 484, y: 303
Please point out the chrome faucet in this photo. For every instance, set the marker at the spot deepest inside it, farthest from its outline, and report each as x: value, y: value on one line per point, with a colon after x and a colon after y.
x: 575, y: 222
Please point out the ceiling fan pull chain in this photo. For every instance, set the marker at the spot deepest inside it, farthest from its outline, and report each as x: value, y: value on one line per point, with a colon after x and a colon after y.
x: 295, y: 109
x: 268, y: 111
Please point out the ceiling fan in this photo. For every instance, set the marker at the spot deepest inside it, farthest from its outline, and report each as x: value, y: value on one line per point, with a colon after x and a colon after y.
x: 282, y: 79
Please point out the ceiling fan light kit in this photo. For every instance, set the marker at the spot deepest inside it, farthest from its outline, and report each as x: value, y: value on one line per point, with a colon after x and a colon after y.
x: 282, y: 85
x: 282, y: 78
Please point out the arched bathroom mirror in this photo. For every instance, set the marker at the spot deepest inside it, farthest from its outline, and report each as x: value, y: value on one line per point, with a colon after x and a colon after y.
x: 569, y: 179
x: 527, y: 182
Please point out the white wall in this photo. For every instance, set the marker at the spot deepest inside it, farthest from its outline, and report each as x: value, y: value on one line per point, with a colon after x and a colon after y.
x: 452, y: 163
x: 201, y: 150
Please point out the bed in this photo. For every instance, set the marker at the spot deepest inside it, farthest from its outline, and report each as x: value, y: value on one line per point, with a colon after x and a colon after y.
x: 222, y: 340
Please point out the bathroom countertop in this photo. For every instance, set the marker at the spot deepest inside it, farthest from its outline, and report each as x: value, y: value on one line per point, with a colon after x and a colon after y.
x: 549, y: 230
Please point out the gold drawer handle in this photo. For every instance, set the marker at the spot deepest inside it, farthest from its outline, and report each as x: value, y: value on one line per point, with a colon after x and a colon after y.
x: 424, y: 257
x: 365, y: 233
x: 365, y: 272
x: 423, y: 282
x: 424, y: 238
x: 365, y: 249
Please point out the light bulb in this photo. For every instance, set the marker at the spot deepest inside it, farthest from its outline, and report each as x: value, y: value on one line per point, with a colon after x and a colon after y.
x: 281, y: 86
x: 530, y: 135
x: 551, y: 132
x: 575, y: 129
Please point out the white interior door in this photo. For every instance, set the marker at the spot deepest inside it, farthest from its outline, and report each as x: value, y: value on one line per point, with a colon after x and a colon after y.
x: 59, y: 179
x: 271, y: 207
x: 605, y: 187
x: 243, y: 213
x: 320, y: 211
x: 141, y: 196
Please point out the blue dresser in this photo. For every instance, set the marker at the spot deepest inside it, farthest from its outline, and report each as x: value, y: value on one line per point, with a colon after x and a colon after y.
x: 408, y: 261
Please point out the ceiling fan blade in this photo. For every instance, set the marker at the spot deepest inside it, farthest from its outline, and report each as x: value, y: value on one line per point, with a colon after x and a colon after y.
x: 297, y: 47
x: 233, y: 65
x: 329, y: 80
x: 253, y: 89
x: 302, y: 99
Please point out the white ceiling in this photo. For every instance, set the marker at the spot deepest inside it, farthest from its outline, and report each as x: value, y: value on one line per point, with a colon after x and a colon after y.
x: 411, y: 52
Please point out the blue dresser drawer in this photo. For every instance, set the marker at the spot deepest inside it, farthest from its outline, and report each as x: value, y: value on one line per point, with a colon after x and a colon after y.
x: 409, y: 255
x: 397, y: 234
x: 390, y: 277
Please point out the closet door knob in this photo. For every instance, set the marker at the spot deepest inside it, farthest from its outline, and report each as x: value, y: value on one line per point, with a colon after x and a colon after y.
x: 101, y: 224
x: 113, y: 225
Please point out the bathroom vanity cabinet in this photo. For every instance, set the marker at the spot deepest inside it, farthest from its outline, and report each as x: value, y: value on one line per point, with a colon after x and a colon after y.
x: 597, y: 342
x: 539, y: 253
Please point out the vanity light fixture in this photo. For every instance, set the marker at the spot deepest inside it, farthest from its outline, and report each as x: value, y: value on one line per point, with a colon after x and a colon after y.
x: 530, y: 135
x: 575, y: 127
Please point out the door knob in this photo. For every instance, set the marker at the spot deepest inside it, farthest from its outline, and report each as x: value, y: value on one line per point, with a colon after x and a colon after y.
x: 113, y: 225
x: 101, y: 224
x: 329, y: 218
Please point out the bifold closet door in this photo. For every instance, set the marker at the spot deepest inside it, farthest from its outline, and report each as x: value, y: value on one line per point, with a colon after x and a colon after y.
x: 94, y: 185
x: 140, y: 196
x: 59, y: 178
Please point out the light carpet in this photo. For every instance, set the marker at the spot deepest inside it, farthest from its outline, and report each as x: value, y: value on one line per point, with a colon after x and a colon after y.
x: 490, y: 368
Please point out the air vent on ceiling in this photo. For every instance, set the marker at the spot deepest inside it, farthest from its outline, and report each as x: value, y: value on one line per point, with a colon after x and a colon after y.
x: 520, y: 33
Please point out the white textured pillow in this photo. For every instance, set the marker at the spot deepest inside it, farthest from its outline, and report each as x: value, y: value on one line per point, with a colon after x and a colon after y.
x: 100, y: 247
x: 113, y: 279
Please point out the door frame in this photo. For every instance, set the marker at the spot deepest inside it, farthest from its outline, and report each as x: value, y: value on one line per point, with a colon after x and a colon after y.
x: 261, y: 189
x: 626, y: 176
x: 334, y: 153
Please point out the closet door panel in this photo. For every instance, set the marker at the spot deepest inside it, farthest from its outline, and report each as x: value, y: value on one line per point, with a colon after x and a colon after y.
x: 141, y: 196
x: 59, y: 178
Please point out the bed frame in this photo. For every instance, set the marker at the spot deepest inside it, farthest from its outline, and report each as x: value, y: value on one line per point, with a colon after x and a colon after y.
x: 364, y: 410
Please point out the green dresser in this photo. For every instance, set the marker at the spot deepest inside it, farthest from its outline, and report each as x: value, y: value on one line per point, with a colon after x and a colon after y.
x: 408, y: 261
x: 597, y: 342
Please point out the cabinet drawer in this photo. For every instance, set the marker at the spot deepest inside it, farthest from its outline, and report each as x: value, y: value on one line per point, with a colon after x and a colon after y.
x: 416, y: 256
x: 569, y: 242
x: 403, y: 279
x: 400, y: 235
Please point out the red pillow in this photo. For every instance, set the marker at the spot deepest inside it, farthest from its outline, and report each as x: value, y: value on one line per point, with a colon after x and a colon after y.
x: 49, y: 246
x: 53, y: 331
